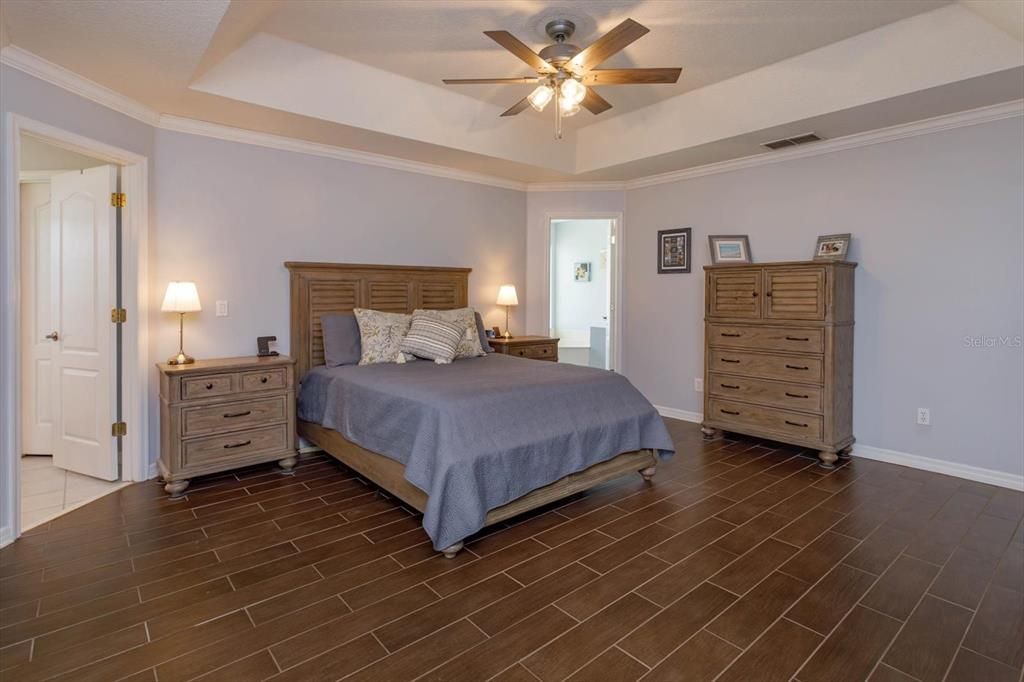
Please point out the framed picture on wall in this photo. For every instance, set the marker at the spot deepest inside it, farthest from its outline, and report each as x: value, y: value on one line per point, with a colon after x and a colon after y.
x: 581, y: 271
x: 729, y: 248
x: 674, y: 250
x: 832, y: 247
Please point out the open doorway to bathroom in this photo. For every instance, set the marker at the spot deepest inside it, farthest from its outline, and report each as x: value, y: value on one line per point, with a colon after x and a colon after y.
x: 581, y: 293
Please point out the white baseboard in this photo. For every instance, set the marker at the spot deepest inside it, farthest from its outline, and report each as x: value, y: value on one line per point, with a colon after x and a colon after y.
x: 938, y: 466
x: 6, y: 536
x: 673, y: 413
x: 154, y: 471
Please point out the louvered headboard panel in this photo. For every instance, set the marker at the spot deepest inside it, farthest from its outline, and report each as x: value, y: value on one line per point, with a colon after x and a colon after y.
x: 321, y: 288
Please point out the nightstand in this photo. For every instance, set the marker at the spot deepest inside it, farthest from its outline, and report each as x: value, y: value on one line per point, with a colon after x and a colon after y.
x: 223, y: 414
x: 533, y: 347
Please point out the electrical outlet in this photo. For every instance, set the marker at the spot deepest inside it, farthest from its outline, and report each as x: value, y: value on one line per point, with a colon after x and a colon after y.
x: 222, y: 308
x: 924, y: 416
x: 698, y: 385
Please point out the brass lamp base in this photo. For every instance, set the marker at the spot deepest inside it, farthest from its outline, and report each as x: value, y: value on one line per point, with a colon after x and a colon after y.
x: 181, y: 359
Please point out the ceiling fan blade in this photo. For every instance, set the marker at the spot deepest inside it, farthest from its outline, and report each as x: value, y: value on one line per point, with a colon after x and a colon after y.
x: 631, y: 76
x: 594, y: 103
x: 519, y: 49
x: 611, y: 42
x: 526, y: 80
x: 517, y: 107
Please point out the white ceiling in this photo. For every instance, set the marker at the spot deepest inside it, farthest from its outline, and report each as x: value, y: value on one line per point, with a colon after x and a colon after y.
x: 365, y: 74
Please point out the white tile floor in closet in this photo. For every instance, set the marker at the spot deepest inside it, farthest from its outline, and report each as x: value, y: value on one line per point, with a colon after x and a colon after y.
x: 48, y: 491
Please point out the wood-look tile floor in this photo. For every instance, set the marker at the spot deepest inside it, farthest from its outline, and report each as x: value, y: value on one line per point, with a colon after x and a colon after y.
x: 742, y: 561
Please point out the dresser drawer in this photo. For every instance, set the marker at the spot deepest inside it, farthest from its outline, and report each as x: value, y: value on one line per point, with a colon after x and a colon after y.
x: 263, y: 380
x: 788, y: 368
x: 232, y: 416
x: 793, y: 396
x: 536, y: 352
x: 240, y: 444
x: 193, y: 388
x: 781, y: 422
x: 767, y: 338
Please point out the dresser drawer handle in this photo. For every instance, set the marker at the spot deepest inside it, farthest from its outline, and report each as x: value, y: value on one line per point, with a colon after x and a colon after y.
x: 768, y: 294
x: 735, y: 388
x: 754, y: 295
x: 232, y: 415
x: 797, y: 367
x: 736, y: 414
x: 734, y: 362
x: 263, y: 380
x: 804, y: 426
x: 798, y: 338
x: 796, y: 395
x: 731, y: 336
x: 209, y: 387
x: 237, y: 445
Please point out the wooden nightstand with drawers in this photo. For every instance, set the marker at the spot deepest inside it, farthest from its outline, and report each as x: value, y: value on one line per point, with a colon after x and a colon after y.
x: 223, y: 414
x: 533, y: 347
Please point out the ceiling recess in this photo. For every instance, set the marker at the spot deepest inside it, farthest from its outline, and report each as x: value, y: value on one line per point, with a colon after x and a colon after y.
x: 792, y: 141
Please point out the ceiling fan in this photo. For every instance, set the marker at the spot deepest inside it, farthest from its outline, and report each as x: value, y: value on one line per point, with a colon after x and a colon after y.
x: 564, y: 71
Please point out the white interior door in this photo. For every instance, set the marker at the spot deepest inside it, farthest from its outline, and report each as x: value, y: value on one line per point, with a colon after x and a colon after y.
x: 37, y: 369
x: 84, y: 291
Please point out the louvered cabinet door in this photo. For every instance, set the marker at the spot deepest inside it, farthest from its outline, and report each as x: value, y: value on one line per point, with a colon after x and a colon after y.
x: 734, y: 294
x: 797, y: 294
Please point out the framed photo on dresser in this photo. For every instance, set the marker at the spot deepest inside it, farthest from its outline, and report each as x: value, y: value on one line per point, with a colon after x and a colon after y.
x: 674, y: 250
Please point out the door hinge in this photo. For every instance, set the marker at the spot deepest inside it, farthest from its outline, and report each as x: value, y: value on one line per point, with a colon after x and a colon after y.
x: 118, y: 429
x: 118, y: 315
x: 118, y: 199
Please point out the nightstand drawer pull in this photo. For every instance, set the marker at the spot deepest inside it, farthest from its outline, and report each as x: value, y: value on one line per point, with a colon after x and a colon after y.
x: 229, y: 446
x: 796, y: 395
x: 805, y: 367
x: 735, y: 388
x: 263, y: 380
x: 729, y: 412
x: 803, y: 426
x: 732, y: 336
x: 209, y: 387
x: 798, y: 338
x: 735, y: 362
x: 232, y: 415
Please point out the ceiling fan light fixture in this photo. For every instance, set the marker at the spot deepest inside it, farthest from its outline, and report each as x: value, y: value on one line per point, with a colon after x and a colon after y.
x: 568, y: 107
x: 573, y: 90
x: 540, y: 97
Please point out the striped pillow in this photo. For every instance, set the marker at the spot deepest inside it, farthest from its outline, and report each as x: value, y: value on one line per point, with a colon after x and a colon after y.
x: 433, y: 339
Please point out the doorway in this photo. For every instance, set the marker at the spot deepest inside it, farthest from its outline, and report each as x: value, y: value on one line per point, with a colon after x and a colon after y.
x: 70, y: 352
x: 581, y: 291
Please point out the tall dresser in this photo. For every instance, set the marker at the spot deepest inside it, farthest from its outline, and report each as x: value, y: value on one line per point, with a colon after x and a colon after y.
x: 778, y: 353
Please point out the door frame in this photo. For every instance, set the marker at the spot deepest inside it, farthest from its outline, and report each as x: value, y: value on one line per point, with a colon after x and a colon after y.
x: 135, y: 299
x: 615, y: 290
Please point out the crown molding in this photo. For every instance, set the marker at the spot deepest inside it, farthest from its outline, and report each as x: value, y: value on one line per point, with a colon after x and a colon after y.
x: 596, y: 186
x: 290, y: 144
x: 34, y: 65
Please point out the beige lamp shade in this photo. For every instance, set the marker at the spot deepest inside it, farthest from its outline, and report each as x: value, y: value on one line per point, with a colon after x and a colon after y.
x: 507, y: 295
x: 181, y: 297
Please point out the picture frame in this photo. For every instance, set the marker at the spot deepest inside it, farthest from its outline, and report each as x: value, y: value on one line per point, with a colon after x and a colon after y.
x: 834, y: 247
x: 674, y: 247
x: 581, y: 271
x: 729, y: 248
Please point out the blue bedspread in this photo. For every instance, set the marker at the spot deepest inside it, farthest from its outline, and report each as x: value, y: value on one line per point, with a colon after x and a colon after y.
x: 481, y: 432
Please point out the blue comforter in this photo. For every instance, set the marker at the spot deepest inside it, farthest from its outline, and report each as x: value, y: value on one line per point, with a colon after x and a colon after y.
x: 481, y: 432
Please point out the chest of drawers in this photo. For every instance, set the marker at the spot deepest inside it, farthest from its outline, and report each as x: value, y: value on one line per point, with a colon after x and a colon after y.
x: 225, y: 413
x: 778, y: 353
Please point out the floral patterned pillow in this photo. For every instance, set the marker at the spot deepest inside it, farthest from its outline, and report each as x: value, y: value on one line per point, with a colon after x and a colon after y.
x: 469, y: 346
x: 381, y: 335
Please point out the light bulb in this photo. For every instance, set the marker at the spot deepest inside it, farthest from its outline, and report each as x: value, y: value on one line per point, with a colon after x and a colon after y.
x: 573, y: 90
x: 568, y: 107
x: 540, y: 97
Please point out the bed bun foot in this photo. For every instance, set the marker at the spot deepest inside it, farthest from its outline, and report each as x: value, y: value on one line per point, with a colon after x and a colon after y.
x: 450, y: 552
x: 648, y: 473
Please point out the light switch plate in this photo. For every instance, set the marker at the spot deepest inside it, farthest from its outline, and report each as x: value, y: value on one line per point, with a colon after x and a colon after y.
x: 222, y: 308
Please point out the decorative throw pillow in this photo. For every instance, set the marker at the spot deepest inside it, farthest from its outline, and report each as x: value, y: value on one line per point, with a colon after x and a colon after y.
x: 432, y: 339
x: 469, y: 346
x: 380, y: 335
x: 341, y: 339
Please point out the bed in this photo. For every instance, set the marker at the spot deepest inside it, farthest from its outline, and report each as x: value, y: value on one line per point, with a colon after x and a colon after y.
x: 468, y: 444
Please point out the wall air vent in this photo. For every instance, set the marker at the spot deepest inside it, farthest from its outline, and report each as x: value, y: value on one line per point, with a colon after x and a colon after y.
x: 792, y: 141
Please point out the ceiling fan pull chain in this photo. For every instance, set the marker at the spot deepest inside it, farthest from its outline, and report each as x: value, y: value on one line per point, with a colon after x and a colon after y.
x: 558, y: 114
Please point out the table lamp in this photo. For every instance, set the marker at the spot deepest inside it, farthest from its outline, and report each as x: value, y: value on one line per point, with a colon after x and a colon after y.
x: 181, y: 298
x: 507, y: 297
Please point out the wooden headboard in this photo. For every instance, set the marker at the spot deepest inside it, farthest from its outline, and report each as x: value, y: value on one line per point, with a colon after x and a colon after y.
x: 322, y: 288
